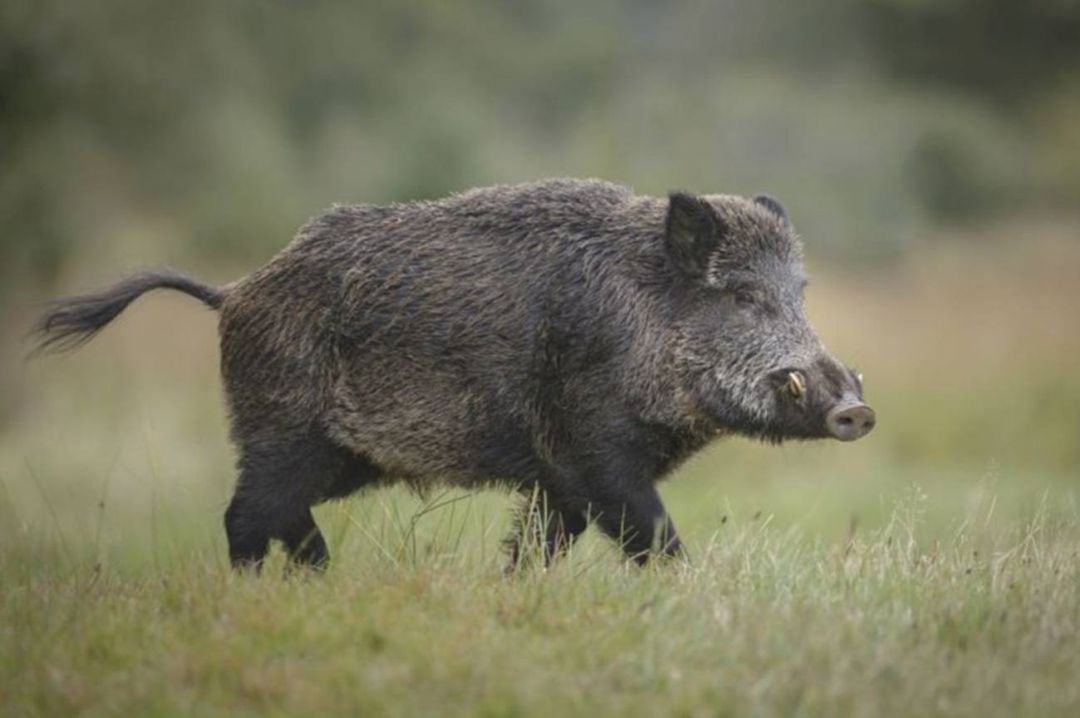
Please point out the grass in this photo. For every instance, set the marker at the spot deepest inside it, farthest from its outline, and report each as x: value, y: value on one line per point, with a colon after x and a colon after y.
x: 931, y: 569
x: 415, y: 618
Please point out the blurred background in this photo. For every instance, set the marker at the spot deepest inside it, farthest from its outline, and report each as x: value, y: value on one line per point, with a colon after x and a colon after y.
x: 927, y: 150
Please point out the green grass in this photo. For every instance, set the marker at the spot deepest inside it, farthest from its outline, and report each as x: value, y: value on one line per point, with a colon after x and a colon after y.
x: 415, y: 618
x: 930, y: 569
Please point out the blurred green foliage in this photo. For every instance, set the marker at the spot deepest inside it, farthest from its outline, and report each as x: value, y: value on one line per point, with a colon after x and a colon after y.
x: 1007, y: 52
x: 223, y: 125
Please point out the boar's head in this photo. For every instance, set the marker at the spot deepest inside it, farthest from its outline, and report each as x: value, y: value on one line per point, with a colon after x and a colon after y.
x: 745, y: 354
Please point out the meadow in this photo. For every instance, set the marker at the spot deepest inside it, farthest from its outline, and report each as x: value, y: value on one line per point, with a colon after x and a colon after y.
x: 930, y: 569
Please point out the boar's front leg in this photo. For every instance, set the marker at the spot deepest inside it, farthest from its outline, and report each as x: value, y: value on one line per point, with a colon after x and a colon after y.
x: 542, y: 526
x: 635, y: 517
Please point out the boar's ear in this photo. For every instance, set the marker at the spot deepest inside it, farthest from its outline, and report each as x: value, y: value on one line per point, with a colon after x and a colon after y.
x: 692, y: 233
x: 774, y: 206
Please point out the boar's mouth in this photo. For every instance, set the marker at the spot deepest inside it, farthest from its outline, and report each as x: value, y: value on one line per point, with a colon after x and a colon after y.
x: 791, y: 403
x: 807, y: 406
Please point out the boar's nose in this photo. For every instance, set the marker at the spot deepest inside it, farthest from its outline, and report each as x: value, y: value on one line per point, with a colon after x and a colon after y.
x: 850, y: 421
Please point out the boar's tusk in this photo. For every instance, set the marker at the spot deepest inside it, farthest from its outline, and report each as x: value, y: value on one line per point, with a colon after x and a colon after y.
x: 795, y: 384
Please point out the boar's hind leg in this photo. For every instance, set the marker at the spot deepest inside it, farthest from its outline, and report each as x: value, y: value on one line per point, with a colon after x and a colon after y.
x: 247, y: 533
x: 541, y: 527
x: 303, y: 540
x: 305, y: 543
x: 279, y: 482
x: 639, y: 522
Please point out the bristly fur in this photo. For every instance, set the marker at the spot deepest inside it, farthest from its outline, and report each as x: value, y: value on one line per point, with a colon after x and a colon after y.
x: 567, y: 337
x: 70, y: 322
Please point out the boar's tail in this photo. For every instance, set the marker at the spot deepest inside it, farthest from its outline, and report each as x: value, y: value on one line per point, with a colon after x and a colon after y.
x: 70, y: 322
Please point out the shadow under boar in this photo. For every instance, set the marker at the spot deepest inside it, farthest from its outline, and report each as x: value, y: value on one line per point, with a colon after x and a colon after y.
x: 567, y: 338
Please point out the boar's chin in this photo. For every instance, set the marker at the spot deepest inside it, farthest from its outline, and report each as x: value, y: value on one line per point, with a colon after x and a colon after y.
x: 778, y: 434
x: 766, y: 431
x: 729, y: 416
x: 761, y: 422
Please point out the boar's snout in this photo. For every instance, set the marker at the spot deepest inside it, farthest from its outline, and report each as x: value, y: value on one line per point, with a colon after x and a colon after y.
x: 823, y: 399
x: 850, y: 420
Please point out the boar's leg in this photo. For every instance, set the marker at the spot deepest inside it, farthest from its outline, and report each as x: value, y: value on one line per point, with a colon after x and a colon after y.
x: 279, y: 481
x: 639, y: 522
x: 247, y: 533
x: 305, y: 543
x: 542, y: 526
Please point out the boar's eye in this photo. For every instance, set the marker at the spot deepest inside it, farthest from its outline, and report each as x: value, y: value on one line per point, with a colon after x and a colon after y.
x: 745, y: 298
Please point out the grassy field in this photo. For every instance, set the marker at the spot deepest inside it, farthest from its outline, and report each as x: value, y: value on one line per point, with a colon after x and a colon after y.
x: 931, y: 569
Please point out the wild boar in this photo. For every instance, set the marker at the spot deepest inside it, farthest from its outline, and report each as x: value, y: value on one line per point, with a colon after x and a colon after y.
x: 567, y: 338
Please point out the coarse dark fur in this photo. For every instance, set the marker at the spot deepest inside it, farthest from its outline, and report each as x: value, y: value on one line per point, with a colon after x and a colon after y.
x: 566, y: 337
